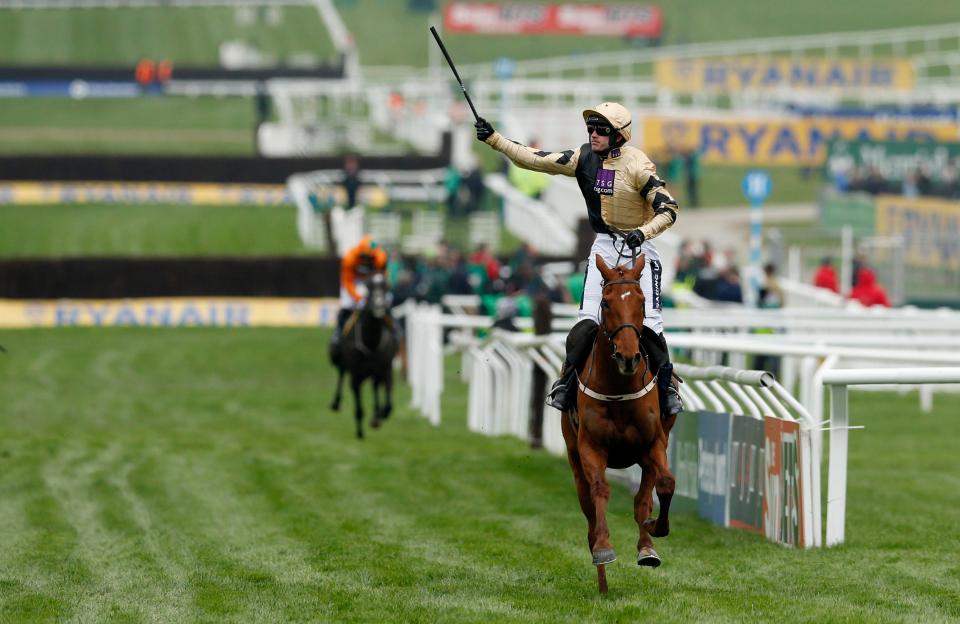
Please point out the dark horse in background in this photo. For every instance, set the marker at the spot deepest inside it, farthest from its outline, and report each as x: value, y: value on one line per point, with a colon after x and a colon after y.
x: 617, y: 421
x: 366, y: 351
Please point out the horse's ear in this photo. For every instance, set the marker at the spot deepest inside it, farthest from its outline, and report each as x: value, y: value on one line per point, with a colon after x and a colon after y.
x: 605, y: 271
x: 638, y: 266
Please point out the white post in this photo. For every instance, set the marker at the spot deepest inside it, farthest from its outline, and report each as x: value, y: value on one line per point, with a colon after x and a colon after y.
x: 837, y: 485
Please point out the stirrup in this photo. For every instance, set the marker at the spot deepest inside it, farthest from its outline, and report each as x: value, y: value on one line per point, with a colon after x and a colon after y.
x: 558, y: 396
x: 672, y: 402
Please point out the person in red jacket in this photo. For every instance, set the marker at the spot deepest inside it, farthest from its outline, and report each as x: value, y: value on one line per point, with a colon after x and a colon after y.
x: 826, y: 276
x: 868, y: 291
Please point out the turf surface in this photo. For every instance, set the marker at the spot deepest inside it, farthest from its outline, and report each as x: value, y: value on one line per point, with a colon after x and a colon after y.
x: 197, y: 475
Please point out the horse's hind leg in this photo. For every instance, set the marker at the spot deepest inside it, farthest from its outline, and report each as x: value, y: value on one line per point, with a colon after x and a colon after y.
x: 355, y: 384
x: 335, y: 404
x: 665, y: 485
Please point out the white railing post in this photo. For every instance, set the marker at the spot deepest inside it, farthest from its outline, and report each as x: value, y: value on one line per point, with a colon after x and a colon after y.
x: 837, y: 483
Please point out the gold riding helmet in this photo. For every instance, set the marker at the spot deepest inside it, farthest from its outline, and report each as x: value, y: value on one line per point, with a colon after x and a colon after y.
x: 615, y: 114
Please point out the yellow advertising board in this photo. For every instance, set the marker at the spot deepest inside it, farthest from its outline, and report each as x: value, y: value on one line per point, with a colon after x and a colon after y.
x: 169, y: 312
x: 734, y: 74
x: 143, y: 192
x: 779, y: 141
x: 930, y: 228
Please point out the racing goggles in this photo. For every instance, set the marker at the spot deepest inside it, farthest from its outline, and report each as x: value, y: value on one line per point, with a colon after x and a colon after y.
x: 601, y: 129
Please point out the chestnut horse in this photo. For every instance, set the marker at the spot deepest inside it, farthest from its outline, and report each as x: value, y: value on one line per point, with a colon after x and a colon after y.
x: 617, y: 423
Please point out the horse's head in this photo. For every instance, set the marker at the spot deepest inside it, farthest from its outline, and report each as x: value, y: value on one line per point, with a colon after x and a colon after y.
x: 376, y: 303
x: 621, y: 309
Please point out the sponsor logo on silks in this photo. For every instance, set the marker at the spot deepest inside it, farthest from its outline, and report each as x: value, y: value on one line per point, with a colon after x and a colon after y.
x: 656, y: 271
x: 614, y: 153
x: 603, y: 184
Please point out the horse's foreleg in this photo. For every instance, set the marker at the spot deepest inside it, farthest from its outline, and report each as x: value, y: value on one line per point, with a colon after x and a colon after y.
x: 335, y: 404
x: 594, y: 463
x: 579, y: 480
x: 665, y: 484
x: 355, y: 383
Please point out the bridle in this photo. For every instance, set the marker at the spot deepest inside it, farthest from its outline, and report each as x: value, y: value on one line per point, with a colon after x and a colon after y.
x: 610, y: 335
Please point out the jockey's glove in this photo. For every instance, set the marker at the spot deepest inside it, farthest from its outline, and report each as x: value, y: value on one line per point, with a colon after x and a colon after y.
x: 634, y: 239
x: 484, y: 129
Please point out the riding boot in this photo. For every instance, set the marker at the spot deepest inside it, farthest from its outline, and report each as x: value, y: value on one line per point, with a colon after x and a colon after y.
x: 670, y: 402
x: 658, y: 355
x: 563, y: 393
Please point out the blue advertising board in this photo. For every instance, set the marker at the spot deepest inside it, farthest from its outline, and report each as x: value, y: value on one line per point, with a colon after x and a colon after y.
x: 714, y: 449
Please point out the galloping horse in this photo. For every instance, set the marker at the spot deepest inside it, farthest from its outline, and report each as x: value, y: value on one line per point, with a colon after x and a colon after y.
x: 617, y: 421
x: 367, y: 349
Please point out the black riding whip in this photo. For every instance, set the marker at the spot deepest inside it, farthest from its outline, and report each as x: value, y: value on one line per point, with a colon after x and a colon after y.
x: 450, y: 63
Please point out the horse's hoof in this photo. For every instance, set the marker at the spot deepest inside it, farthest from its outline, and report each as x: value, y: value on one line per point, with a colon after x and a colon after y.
x: 651, y: 527
x: 375, y: 423
x: 335, y: 406
x: 359, y: 435
x: 648, y: 557
x: 604, y: 556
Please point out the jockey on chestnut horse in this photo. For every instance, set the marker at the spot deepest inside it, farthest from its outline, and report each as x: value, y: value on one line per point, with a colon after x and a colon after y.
x: 628, y: 205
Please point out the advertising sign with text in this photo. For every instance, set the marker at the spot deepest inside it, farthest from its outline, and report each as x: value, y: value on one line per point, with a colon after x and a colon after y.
x: 682, y: 454
x: 605, y: 20
x: 930, y: 228
x: 736, y: 74
x: 783, y: 512
x: 780, y: 141
x: 714, y: 448
x: 747, y: 473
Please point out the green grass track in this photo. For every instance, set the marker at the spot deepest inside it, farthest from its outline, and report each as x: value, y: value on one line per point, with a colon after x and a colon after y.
x: 197, y: 476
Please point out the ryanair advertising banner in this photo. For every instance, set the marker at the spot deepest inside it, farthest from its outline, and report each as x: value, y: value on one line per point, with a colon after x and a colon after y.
x: 782, y: 140
x: 736, y: 74
x: 143, y: 193
x: 930, y: 228
x: 169, y: 312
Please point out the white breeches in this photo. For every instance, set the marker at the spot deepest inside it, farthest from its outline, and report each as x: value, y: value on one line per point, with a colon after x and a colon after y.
x: 650, y: 279
x: 347, y: 302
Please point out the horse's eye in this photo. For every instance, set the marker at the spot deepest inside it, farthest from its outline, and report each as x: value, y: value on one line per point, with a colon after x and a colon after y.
x: 604, y: 304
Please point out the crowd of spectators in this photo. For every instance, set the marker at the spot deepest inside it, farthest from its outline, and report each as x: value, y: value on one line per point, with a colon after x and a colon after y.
x: 449, y: 271
x: 710, y: 275
x: 918, y: 182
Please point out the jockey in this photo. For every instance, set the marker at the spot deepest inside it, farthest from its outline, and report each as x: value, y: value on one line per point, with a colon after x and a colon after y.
x: 621, y: 189
x: 360, y: 262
